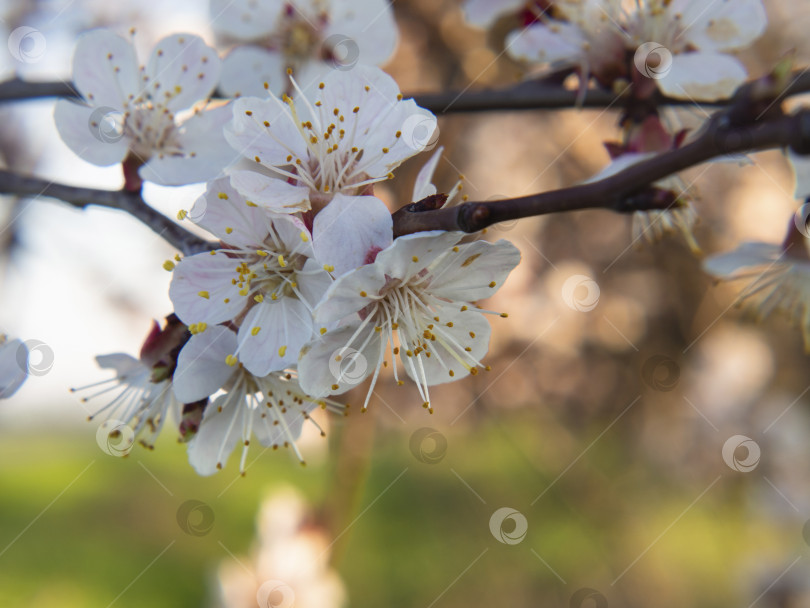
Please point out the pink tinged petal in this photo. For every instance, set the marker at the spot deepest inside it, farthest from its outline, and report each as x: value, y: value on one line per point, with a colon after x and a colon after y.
x: 335, y: 363
x: 703, y: 76
x: 105, y: 69
x: 412, y: 253
x: 278, y: 143
x: 218, y: 434
x: 292, y: 233
x: 270, y: 193
x: 223, y: 212
x: 476, y: 271
x: 182, y: 71
x: 483, y: 13
x: 468, y: 329
x: 745, y: 257
x: 205, y: 151
x: 557, y: 43
x: 284, y: 326
x: 246, y: 68
x: 351, y: 293
x: 423, y: 185
x: 245, y: 19
x: 722, y: 25
x: 209, y: 275
x: 201, y: 368
x: 364, y: 32
x: 91, y: 132
x: 349, y: 230
x: 13, y: 367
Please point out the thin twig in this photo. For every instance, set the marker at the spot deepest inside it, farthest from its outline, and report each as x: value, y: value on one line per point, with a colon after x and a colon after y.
x: 128, y: 202
x: 626, y: 191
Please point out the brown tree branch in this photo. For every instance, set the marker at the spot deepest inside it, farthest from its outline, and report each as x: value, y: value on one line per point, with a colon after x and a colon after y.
x: 128, y: 202
x: 626, y: 191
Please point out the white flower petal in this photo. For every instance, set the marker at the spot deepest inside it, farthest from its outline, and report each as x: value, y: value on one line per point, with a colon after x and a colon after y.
x: 350, y: 231
x: 423, y: 185
x: 245, y: 19
x: 13, y: 367
x: 182, y: 71
x: 285, y: 325
x: 219, y: 432
x: 483, y: 13
x: 205, y: 151
x: 245, y: 69
x: 332, y: 365
x: 746, y: 256
x: 558, y: 43
x: 370, y: 25
x: 105, y: 69
x: 412, y: 253
x: 201, y: 368
x: 703, y: 76
x: 476, y: 271
x: 278, y: 143
x: 345, y: 296
x: 123, y: 364
x: 210, y: 275
x: 271, y: 193
x: 721, y: 25
x: 223, y: 212
x: 82, y: 128
x: 456, y: 331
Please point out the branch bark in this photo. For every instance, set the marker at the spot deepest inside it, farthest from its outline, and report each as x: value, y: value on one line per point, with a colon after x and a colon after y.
x: 128, y: 202
x: 627, y: 191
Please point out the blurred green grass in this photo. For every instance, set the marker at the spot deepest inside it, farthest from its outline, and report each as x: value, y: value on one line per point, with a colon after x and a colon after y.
x: 80, y: 528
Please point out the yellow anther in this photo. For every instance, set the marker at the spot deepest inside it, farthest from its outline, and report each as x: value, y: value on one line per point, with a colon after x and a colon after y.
x: 258, y: 298
x: 281, y: 261
x: 363, y: 294
x: 181, y: 215
x: 223, y: 196
x: 323, y: 330
x: 168, y: 265
x: 304, y: 236
x: 231, y: 360
x: 492, y: 284
x: 415, y: 259
x: 204, y: 294
x: 261, y: 253
x: 255, y: 331
x: 504, y: 315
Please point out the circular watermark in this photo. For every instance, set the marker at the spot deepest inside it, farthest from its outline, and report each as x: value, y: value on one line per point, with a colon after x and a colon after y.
x: 275, y: 594
x: 588, y: 598
x: 746, y: 461
x: 661, y: 373
x: 115, y: 438
x: 509, y: 526
x: 198, y: 210
x: 428, y: 445
x: 106, y: 124
x: 341, y: 51
x: 420, y: 132
x: 26, y: 44
x: 195, y: 518
x: 653, y: 60
x: 501, y: 226
x: 35, y: 358
x: 801, y: 217
x: 580, y: 292
x: 348, y: 365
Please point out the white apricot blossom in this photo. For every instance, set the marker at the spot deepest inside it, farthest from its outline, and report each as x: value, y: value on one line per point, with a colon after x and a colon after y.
x: 141, y: 389
x: 777, y: 279
x: 352, y: 133
x: 420, y: 289
x: 263, y: 279
x: 271, y: 407
x: 682, y: 45
x: 308, y: 37
x: 13, y: 366
x: 148, y: 116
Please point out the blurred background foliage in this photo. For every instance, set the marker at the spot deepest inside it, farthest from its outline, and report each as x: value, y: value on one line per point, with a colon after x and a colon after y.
x: 613, y: 458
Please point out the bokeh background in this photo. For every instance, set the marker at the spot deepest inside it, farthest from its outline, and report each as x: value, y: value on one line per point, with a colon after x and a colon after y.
x: 603, y: 429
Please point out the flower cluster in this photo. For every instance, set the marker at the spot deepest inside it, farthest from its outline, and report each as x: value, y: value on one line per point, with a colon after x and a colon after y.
x: 306, y: 292
x: 681, y: 46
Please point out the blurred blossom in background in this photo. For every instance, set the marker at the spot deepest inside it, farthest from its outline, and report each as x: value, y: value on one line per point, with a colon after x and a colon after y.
x: 617, y: 382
